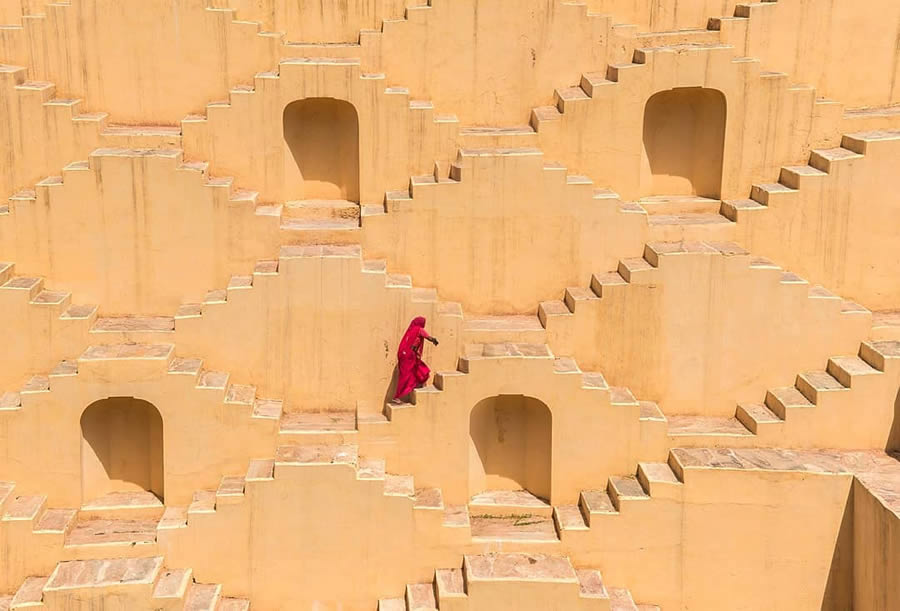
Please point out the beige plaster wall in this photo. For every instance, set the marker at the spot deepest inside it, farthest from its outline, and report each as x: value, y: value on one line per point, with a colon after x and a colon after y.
x: 702, y: 329
x: 395, y: 138
x: 838, y: 227
x: 848, y: 53
x: 511, y: 232
x: 599, y: 130
x: 311, y: 21
x: 48, y: 460
x: 226, y: 46
x: 321, y: 333
x: 150, y: 63
x: 657, y: 16
x: 503, y: 62
x: 36, y: 336
x: 876, y: 535
x: 441, y: 419
x: 314, y: 515
x: 39, y: 139
x: 766, y: 539
x: 729, y: 530
x: 118, y: 229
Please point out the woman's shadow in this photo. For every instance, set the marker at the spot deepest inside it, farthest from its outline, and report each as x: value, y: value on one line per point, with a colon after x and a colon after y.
x: 392, y: 387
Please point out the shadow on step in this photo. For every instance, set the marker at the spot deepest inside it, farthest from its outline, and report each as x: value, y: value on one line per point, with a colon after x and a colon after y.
x: 839, y: 588
x: 893, y: 443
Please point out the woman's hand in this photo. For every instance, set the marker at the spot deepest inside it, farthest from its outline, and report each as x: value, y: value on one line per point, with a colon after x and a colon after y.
x: 433, y: 340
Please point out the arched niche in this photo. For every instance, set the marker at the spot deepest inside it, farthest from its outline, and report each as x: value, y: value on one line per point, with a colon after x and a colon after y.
x: 121, y: 448
x: 683, y: 143
x: 510, y: 445
x: 322, y: 135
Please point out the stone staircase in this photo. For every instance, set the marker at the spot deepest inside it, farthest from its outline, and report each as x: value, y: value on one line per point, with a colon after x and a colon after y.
x: 787, y: 418
x: 427, y: 503
x: 494, y: 581
x: 792, y: 179
x: 621, y: 80
x: 134, y: 581
x: 43, y: 324
x: 886, y: 324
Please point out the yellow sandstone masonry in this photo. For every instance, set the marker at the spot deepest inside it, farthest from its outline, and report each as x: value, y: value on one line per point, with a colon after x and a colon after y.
x: 656, y: 240
x: 240, y: 38
x: 819, y: 225
x: 213, y: 413
x: 687, y: 348
x: 504, y: 232
x: 325, y: 303
x: 623, y: 42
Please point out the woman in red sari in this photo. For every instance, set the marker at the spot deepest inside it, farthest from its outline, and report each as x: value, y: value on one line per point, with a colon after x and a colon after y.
x: 411, y: 371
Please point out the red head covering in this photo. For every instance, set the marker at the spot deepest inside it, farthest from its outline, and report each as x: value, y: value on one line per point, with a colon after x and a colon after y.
x: 411, y: 371
x: 411, y: 337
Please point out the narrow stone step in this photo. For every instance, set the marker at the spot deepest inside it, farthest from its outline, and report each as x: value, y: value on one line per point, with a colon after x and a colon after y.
x: 126, y: 533
x: 420, y: 596
x: 699, y: 426
x: 371, y: 468
x: 173, y: 517
x: 131, y: 504
x: 316, y: 455
x: 590, y: 584
x: 620, y: 600
x: 449, y: 583
x: 204, y: 501
x: 699, y: 218
x: 525, y: 527
x: 127, y: 351
x: 203, y: 597
x: 680, y: 204
x: 24, y: 508
x: 77, y: 574
x: 399, y: 485
x: 456, y: 516
x: 30, y: 593
x: 524, y: 567
x: 780, y: 400
x: 323, y: 210
x: 623, y: 489
x: 569, y: 517
x: 300, y: 423
x: 755, y: 416
x: 56, y: 521
x: 134, y: 324
x: 260, y: 470
x: 596, y: 503
x: 173, y: 584
x: 815, y: 384
x: 428, y: 498
x: 509, y: 502
x: 269, y: 409
x: 847, y: 368
x: 392, y: 604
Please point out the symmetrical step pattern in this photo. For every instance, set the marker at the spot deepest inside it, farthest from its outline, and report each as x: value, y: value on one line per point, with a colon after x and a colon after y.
x: 452, y: 588
x: 141, y: 580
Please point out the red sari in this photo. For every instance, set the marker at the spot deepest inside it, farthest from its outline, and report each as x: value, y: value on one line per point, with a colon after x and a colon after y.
x: 411, y: 371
